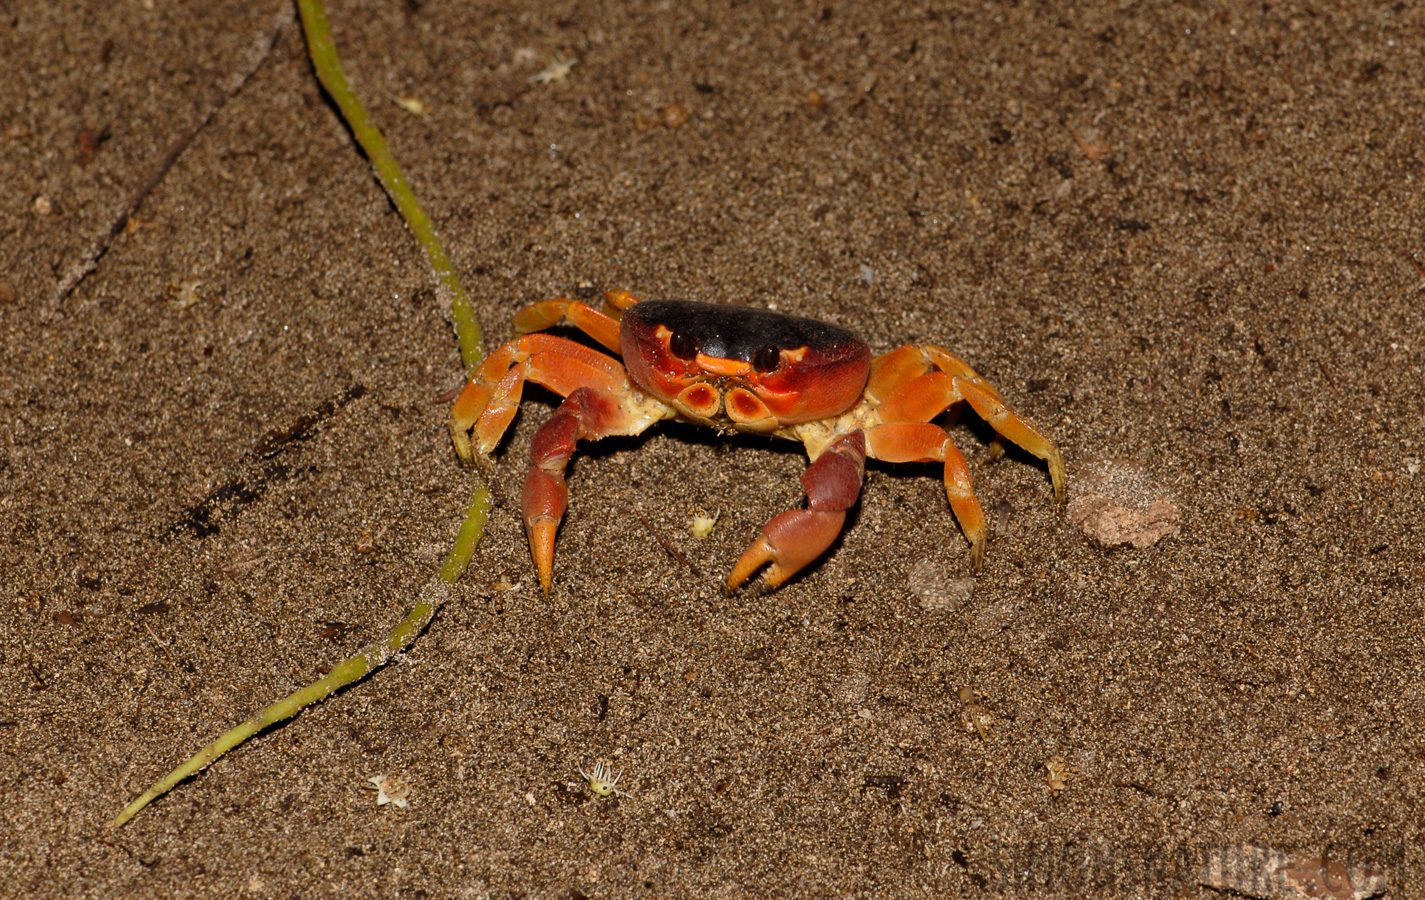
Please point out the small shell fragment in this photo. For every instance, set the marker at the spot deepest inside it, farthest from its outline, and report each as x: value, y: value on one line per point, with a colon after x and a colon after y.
x: 973, y: 715
x: 391, y: 789
x: 182, y: 296
x: 557, y: 70
x: 1058, y: 773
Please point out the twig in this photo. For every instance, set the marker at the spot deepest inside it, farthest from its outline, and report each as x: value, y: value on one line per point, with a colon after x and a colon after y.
x: 1329, y: 380
x: 1414, y: 263
x: 301, y: 428
x: 252, y: 61
x: 451, y: 292
x: 448, y: 288
x: 1137, y: 786
x: 161, y: 645
x: 668, y: 545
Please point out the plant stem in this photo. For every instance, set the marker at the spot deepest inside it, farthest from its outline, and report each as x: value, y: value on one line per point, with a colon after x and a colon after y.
x: 467, y: 331
x: 329, y: 71
x: 352, y: 669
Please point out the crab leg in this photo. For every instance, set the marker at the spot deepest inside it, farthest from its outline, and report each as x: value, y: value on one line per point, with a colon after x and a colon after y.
x: 909, y: 390
x: 489, y: 401
x: 891, y: 370
x: 561, y: 374
x: 549, y: 313
x: 1010, y: 424
x: 587, y: 414
x: 794, y: 538
x: 990, y: 406
x: 923, y: 442
x: 618, y: 301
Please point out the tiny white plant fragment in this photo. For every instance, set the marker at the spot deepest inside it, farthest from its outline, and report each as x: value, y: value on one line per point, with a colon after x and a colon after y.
x: 603, y: 781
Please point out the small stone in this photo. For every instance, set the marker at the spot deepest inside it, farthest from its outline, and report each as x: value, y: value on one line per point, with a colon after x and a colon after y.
x: 1117, y: 503
x: 675, y: 114
x: 182, y: 296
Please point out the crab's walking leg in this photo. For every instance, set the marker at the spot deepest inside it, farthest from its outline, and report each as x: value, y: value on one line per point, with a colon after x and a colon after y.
x: 549, y: 313
x: 796, y: 537
x: 587, y: 414
x: 916, y: 384
x: 489, y: 402
x: 923, y: 442
x: 987, y: 402
x: 615, y: 302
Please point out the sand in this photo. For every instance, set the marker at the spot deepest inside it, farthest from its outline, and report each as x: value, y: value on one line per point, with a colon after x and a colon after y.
x: 1186, y: 241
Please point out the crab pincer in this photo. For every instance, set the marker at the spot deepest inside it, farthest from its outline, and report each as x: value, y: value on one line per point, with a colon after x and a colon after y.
x: 794, y: 538
x: 735, y: 369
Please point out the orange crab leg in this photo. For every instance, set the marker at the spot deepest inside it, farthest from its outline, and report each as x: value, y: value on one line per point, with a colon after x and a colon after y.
x: 794, y: 538
x: 587, y: 414
x: 1008, y: 423
x: 987, y: 402
x: 494, y: 386
x: 618, y: 300
x: 549, y: 313
x: 910, y: 390
x: 919, y: 400
x: 501, y: 402
x: 923, y: 442
x: 560, y: 373
x: 953, y: 365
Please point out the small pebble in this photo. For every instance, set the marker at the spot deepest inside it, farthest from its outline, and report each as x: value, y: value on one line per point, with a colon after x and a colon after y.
x: 1117, y: 503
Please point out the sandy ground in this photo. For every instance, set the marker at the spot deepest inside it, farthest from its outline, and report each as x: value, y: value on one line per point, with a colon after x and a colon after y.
x: 1187, y: 241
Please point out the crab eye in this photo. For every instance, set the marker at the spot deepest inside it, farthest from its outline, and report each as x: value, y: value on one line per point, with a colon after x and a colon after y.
x: 684, y: 345
x: 766, y: 359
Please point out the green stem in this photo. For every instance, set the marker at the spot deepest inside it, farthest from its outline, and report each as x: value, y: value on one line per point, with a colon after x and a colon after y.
x: 328, y: 65
x: 471, y: 530
x: 467, y: 331
x: 352, y: 669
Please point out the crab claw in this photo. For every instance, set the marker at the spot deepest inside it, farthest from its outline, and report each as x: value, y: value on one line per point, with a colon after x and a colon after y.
x: 789, y: 542
x: 544, y: 499
x: 585, y: 415
x: 545, y: 495
x: 541, y: 533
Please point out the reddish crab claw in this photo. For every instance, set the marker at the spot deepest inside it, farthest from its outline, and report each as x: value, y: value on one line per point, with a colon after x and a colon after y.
x: 742, y: 369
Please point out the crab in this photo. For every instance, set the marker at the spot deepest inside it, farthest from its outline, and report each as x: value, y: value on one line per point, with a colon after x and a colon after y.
x: 742, y: 369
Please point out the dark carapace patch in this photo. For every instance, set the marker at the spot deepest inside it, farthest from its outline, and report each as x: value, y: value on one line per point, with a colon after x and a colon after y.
x: 738, y: 332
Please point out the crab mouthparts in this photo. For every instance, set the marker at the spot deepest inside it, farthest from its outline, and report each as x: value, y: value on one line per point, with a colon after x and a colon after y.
x: 744, y: 408
x: 700, y: 400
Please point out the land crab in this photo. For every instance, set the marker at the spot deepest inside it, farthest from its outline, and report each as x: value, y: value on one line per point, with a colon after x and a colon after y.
x: 737, y: 369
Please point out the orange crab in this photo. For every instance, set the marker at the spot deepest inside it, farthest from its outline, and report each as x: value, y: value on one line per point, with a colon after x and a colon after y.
x: 740, y: 369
